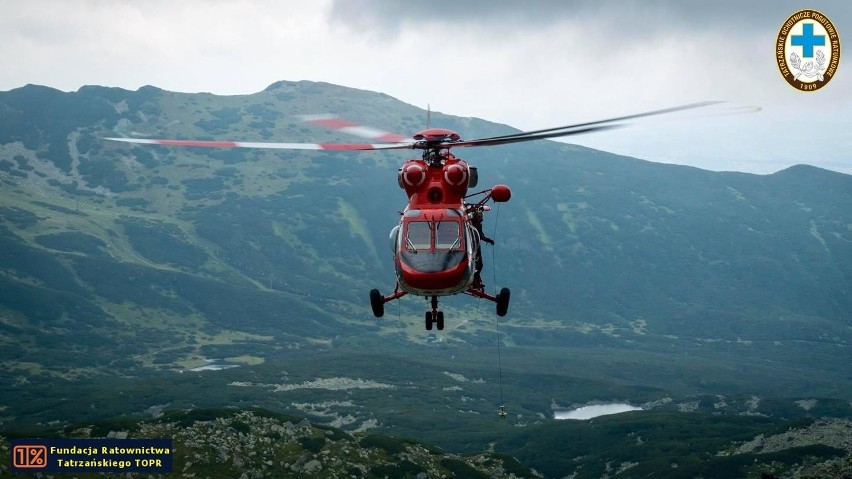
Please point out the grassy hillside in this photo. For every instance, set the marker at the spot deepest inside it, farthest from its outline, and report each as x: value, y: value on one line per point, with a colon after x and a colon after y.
x: 124, y: 267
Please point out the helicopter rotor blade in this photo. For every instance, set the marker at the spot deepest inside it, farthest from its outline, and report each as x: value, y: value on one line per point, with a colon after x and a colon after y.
x: 398, y: 142
x: 528, y: 137
x: 575, y: 129
x: 333, y: 122
x: 278, y: 146
x: 580, y: 127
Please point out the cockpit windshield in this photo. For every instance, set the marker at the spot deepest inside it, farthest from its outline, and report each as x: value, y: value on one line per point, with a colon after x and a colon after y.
x: 444, y: 235
x: 419, y: 235
x: 447, y: 235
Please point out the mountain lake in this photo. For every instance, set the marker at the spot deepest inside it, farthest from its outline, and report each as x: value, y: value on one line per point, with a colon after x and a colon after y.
x: 594, y: 410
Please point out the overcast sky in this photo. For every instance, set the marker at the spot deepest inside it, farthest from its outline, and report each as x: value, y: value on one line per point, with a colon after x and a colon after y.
x: 530, y: 64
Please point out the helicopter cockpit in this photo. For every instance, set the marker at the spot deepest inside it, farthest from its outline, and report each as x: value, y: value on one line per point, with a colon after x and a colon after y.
x: 431, y: 243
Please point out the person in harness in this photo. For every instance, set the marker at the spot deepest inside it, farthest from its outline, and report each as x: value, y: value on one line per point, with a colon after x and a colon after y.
x: 476, y: 216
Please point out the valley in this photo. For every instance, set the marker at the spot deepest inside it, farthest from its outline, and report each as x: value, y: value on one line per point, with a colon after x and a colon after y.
x: 717, y: 302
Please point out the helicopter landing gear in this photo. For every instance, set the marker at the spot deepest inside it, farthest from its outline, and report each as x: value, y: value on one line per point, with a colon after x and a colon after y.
x: 377, y: 301
x: 437, y: 319
x: 503, y: 302
x: 502, y: 298
x: 377, y: 304
x: 434, y: 317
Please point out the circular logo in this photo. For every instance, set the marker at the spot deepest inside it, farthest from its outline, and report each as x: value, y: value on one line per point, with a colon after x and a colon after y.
x: 807, y: 50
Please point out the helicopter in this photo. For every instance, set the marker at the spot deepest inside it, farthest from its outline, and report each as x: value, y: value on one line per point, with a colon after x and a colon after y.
x: 437, y: 243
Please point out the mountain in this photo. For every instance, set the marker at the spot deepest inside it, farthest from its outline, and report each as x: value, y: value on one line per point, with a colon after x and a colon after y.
x: 227, y: 443
x: 253, y: 442
x: 122, y: 265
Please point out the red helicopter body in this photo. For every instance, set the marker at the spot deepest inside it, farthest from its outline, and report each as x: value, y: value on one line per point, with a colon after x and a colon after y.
x: 436, y: 243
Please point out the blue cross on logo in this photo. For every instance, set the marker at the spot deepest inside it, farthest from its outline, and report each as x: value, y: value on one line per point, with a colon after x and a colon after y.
x: 807, y: 40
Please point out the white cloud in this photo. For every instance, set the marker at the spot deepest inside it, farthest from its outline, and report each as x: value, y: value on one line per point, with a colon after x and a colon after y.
x: 531, y: 66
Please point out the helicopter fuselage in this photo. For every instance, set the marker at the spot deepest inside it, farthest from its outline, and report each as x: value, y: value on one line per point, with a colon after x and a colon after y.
x: 435, y: 244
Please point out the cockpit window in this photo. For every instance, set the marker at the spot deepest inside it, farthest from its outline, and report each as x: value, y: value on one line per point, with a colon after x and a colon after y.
x: 447, y: 235
x: 419, y: 235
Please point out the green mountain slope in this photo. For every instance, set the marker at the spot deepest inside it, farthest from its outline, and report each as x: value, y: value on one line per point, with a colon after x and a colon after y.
x: 284, y: 244
x: 120, y: 265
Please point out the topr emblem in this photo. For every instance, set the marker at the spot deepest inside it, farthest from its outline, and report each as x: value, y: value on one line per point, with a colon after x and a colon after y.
x: 807, y: 50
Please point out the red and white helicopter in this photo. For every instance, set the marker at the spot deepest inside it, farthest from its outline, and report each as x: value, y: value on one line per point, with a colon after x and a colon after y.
x: 437, y: 242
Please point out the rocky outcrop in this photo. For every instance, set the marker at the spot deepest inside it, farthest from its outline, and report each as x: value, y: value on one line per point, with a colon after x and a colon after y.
x: 831, y: 432
x: 257, y: 444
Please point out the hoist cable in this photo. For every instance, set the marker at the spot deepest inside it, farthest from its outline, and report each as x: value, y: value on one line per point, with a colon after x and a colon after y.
x: 497, y: 318
x: 493, y: 248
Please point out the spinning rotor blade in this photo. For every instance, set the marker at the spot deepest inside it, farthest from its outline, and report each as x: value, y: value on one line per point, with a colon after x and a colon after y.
x: 526, y: 136
x: 280, y: 146
x: 333, y: 122
x: 397, y: 142
x: 391, y: 141
x: 576, y: 129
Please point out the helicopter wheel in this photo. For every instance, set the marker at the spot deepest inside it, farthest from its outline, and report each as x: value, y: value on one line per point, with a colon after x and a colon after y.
x: 377, y: 303
x: 435, y: 319
x: 503, y: 302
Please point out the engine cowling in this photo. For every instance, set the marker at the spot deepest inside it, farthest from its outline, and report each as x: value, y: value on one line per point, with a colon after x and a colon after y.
x: 412, y: 175
x: 457, y: 176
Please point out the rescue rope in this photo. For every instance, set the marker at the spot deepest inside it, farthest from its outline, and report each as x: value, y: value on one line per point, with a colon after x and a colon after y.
x: 494, y: 247
x: 499, y: 361
x: 476, y: 312
x: 502, y: 412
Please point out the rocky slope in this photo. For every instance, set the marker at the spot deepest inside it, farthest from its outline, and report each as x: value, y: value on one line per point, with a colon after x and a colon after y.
x: 257, y: 444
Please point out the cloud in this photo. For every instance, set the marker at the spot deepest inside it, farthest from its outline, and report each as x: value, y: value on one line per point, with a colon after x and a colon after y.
x: 531, y: 64
x: 620, y: 19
